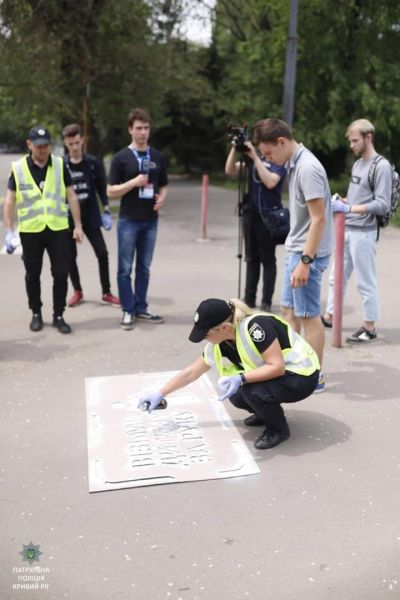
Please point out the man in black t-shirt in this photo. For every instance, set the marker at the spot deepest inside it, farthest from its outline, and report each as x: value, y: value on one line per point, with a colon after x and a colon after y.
x: 138, y: 176
x: 89, y: 181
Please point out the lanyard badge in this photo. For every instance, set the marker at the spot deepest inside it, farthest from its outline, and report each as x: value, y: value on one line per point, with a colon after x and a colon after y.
x: 145, y: 165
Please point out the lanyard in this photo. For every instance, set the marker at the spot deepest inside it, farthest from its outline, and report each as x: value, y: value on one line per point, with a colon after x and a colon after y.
x: 141, y: 159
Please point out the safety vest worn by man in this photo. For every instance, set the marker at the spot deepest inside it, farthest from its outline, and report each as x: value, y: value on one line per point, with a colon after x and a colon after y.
x: 300, y: 358
x: 37, y: 208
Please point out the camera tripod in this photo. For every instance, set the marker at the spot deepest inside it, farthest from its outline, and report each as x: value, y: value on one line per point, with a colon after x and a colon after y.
x: 242, y: 189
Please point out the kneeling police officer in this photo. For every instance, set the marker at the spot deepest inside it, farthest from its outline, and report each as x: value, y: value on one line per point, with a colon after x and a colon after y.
x: 261, y: 360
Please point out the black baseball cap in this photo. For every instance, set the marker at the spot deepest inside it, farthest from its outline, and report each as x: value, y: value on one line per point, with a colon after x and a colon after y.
x: 209, y: 313
x: 39, y: 136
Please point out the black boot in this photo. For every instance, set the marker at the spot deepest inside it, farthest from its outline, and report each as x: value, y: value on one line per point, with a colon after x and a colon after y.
x: 253, y: 421
x: 36, y: 323
x: 61, y: 325
x: 271, y: 438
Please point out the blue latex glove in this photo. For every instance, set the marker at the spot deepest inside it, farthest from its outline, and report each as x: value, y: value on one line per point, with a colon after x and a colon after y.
x: 229, y: 386
x: 150, y: 401
x: 11, y: 241
x: 339, y: 206
x: 106, y: 220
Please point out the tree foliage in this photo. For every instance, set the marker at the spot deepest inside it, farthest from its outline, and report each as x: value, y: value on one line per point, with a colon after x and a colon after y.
x: 68, y: 58
x: 356, y: 73
x: 347, y: 67
x: 93, y: 60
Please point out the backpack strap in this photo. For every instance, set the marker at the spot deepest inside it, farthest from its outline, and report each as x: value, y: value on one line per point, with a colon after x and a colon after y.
x: 371, y: 182
x: 372, y: 171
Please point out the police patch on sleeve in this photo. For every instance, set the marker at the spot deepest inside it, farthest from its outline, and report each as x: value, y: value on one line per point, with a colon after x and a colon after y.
x: 257, y: 333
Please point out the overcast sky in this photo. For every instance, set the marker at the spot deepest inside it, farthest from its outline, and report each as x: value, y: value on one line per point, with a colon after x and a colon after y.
x: 197, y: 25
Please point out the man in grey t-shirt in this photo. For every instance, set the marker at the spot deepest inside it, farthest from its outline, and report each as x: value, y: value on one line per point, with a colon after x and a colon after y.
x: 361, y: 207
x: 309, y: 241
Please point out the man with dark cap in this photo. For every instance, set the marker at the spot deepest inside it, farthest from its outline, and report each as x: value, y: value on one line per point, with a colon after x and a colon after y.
x: 38, y: 191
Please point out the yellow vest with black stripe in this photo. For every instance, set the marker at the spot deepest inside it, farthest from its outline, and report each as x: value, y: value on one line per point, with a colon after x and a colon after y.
x: 299, y: 358
x: 37, y: 208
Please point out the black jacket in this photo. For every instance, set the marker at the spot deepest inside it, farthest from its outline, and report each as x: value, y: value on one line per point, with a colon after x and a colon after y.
x: 95, y: 177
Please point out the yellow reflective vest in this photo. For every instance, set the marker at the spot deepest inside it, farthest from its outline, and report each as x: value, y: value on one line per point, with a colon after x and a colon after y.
x: 299, y: 358
x: 37, y: 208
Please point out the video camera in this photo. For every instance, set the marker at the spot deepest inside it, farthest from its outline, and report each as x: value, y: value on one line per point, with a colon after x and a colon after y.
x: 238, y: 135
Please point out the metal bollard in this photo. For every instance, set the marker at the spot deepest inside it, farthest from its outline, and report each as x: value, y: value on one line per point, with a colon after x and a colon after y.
x: 338, y: 285
x: 204, y: 207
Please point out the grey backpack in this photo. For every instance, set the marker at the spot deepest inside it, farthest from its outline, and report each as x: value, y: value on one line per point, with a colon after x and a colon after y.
x: 383, y: 220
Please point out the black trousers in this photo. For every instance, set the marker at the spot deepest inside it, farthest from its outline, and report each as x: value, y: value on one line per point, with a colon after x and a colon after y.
x: 57, y: 245
x: 98, y: 244
x: 259, y: 250
x: 264, y: 399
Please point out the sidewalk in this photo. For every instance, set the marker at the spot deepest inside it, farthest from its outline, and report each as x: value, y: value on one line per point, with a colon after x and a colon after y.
x: 319, y: 522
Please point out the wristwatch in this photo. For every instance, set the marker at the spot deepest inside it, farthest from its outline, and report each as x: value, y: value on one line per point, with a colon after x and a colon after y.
x: 307, y: 260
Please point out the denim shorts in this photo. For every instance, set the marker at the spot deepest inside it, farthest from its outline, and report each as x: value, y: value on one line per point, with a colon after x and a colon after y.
x: 306, y: 300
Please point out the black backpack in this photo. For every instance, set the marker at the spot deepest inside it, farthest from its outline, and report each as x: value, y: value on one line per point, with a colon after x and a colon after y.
x: 383, y: 220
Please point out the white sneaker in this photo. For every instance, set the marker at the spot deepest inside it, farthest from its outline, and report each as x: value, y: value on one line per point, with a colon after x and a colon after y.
x: 362, y: 335
x: 127, y: 321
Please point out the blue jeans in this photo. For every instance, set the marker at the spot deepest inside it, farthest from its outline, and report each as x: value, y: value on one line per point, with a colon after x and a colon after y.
x: 139, y: 236
x: 360, y: 256
x: 304, y: 300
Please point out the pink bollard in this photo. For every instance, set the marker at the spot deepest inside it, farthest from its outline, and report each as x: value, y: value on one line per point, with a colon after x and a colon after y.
x: 204, y: 206
x: 338, y: 285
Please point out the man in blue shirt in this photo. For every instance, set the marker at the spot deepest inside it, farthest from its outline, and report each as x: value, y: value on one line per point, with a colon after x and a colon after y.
x: 264, y: 195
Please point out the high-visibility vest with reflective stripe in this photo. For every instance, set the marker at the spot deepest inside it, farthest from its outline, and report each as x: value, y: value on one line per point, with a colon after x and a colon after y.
x: 213, y: 357
x: 300, y: 358
x: 37, y: 208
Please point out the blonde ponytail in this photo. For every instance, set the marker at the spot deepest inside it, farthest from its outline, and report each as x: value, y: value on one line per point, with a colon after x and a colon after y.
x: 240, y: 310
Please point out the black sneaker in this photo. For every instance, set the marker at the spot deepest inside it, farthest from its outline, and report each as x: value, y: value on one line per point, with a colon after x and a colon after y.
x: 269, y: 439
x: 253, y: 421
x: 61, y: 325
x: 266, y: 308
x: 149, y: 318
x: 128, y: 321
x: 362, y: 335
x: 36, y: 323
x: 326, y: 322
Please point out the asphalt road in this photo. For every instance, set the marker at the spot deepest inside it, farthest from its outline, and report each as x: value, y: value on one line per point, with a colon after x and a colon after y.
x: 319, y: 522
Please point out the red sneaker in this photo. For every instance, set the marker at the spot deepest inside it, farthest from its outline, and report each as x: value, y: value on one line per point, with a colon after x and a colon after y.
x: 76, y: 298
x: 111, y: 300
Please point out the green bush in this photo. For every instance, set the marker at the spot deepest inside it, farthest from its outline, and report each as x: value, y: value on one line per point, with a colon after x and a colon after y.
x: 339, y: 185
x: 395, y: 220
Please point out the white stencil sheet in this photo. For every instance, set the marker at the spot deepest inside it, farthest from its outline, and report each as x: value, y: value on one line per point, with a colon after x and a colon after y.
x: 192, y: 439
